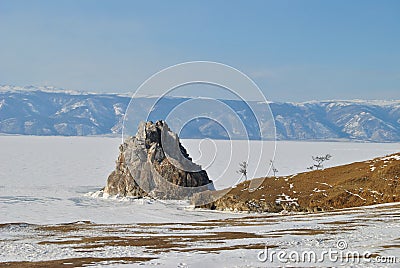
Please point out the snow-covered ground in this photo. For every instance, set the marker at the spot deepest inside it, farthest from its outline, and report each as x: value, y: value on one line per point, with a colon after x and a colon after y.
x: 45, y: 180
x: 358, y: 237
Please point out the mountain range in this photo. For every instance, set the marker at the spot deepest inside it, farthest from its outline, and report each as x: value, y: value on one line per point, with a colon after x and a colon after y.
x: 49, y: 111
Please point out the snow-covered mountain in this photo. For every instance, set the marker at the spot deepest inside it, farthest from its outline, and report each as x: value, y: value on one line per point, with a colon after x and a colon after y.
x: 48, y: 111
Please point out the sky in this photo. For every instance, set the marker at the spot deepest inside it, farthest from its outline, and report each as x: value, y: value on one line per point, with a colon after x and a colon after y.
x: 293, y: 50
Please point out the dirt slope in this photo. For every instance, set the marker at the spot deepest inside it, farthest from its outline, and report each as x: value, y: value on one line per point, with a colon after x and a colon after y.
x: 358, y: 184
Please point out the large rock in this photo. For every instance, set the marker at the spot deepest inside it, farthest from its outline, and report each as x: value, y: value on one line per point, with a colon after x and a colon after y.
x: 154, y: 163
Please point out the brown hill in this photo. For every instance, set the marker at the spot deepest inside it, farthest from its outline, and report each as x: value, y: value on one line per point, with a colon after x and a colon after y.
x: 358, y: 184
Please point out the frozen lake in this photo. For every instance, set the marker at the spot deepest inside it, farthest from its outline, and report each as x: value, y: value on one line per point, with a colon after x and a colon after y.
x: 44, y: 179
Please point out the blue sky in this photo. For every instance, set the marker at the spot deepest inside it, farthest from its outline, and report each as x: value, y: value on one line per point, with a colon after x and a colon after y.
x: 294, y: 50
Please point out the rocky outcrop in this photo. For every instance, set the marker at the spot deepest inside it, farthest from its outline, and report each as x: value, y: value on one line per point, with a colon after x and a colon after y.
x: 358, y: 184
x: 154, y: 163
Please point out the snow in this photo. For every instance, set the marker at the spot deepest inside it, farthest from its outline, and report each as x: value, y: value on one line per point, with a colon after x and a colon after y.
x: 372, y: 168
x: 52, y: 180
x: 357, y: 195
x: 372, y: 229
x: 118, y: 110
x: 316, y: 190
x: 52, y: 174
x: 324, y: 183
x: 367, y: 121
x: 49, y: 89
x: 286, y: 199
x: 393, y: 157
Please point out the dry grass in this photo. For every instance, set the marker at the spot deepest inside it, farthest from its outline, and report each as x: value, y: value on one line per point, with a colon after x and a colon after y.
x: 155, y: 240
x: 357, y: 184
x: 158, y: 242
x: 73, y: 262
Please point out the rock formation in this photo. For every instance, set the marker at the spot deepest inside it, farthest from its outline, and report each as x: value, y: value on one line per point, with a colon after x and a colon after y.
x: 154, y: 163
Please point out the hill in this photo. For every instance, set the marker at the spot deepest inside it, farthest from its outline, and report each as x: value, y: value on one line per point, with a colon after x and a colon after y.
x: 49, y: 111
x: 365, y: 183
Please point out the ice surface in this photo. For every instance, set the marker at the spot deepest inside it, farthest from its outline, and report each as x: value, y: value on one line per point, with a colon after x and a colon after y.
x: 372, y: 229
x: 45, y: 179
x: 50, y: 180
